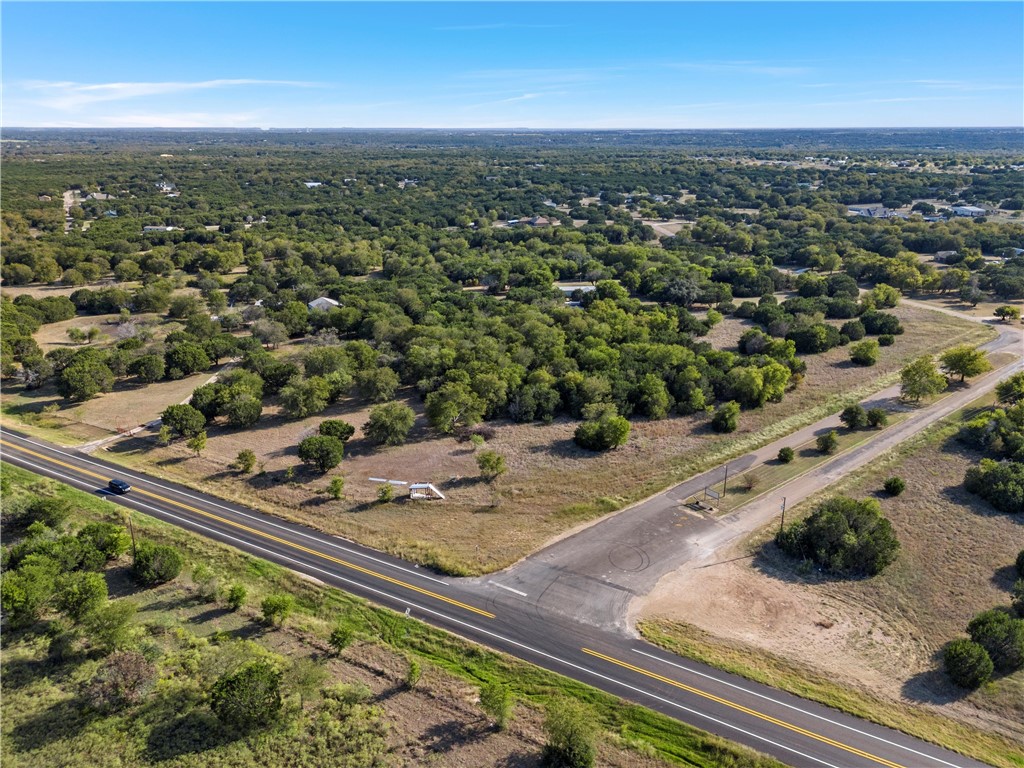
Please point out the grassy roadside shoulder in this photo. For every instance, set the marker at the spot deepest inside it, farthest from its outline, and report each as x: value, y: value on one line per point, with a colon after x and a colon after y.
x: 318, y: 609
x: 756, y: 664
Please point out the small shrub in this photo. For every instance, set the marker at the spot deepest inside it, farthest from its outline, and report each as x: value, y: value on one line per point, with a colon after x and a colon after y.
x: 277, y: 608
x: 341, y: 638
x: 122, y: 680
x: 413, y: 675
x: 245, y: 461
x: 336, y: 488
x: 496, y: 700
x: 786, y: 454
x: 894, y: 486
x: 206, y: 581
x: 1002, y: 636
x: 337, y: 428
x: 571, y: 733
x: 248, y: 698
x: 236, y: 596
x: 751, y: 481
x: 967, y: 664
x: 854, y: 417
x: 385, y: 493
x: 491, y: 464
x: 156, y: 563
x: 477, y: 441
x: 877, y: 417
x: 726, y: 417
x: 828, y: 442
x: 886, y: 340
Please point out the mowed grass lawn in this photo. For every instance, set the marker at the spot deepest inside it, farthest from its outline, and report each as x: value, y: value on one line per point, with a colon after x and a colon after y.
x: 551, y: 484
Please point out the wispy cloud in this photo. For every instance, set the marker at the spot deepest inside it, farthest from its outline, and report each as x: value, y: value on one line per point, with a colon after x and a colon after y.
x: 963, y: 85
x: 741, y: 67
x: 68, y: 95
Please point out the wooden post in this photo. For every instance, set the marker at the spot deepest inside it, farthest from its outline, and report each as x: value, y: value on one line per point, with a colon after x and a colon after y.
x: 725, y: 482
x: 131, y: 528
x: 782, y: 522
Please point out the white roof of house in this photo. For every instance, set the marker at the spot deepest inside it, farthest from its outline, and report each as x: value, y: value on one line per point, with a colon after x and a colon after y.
x: 322, y: 303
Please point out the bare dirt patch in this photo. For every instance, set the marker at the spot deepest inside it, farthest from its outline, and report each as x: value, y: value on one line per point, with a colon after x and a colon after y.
x: 883, y: 634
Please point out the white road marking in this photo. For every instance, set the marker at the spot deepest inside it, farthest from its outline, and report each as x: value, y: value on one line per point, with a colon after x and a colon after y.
x: 239, y: 512
x: 791, y: 706
x: 502, y: 586
x: 243, y: 544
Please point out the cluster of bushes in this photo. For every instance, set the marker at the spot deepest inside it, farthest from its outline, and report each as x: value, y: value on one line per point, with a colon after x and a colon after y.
x: 1000, y: 431
x: 843, y: 536
x: 996, y: 642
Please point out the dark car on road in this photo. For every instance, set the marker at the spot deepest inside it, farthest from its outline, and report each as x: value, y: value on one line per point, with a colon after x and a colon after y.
x: 118, y: 486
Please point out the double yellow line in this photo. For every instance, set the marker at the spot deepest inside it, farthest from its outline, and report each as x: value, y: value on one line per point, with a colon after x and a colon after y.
x: 261, y: 534
x: 745, y: 710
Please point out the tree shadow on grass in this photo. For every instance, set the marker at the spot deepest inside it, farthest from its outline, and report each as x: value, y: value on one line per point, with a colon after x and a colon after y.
x: 520, y: 759
x: 933, y: 686
x: 210, y: 614
x: 192, y: 733
x: 1005, y: 577
x: 64, y: 720
x: 444, y: 737
x: 771, y: 561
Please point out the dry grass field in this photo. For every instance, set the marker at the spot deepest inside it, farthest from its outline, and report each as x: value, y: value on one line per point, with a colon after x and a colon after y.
x: 551, y: 484
x: 878, y: 636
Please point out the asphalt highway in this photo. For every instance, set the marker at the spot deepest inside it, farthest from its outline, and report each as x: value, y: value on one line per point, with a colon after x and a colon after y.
x: 796, y: 731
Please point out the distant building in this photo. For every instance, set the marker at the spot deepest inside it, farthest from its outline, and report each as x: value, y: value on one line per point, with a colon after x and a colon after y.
x: 165, y: 186
x: 111, y: 214
x: 870, y: 211
x: 45, y: 199
x: 160, y: 229
x: 539, y: 221
x: 99, y: 196
x: 971, y: 211
x: 313, y: 184
x: 323, y: 303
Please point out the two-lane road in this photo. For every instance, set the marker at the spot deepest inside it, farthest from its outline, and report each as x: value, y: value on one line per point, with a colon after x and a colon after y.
x: 796, y: 731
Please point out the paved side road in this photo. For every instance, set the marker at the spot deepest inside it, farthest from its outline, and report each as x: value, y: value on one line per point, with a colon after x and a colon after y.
x: 797, y: 732
x: 593, y: 576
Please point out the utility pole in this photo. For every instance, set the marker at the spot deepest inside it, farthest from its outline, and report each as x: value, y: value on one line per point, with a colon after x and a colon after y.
x: 725, y: 483
x: 782, y: 522
x: 131, y: 528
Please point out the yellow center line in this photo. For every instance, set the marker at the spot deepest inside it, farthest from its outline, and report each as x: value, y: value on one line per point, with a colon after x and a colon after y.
x: 746, y: 710
x: 261, y: 534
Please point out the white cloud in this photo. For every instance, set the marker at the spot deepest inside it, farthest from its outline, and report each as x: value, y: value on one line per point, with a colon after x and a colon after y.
x: 67, y: 96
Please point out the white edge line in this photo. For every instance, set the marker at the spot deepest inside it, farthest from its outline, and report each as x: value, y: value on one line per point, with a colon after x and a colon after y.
x: 145, y: 479
x: 244, y: 544
x: 793, y: 707
x: 510, y: 589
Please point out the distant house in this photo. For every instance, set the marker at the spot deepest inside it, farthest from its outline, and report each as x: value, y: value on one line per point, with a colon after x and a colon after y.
x: 160, y: 229
x: 165, y: 186
x: 110, y: 214
x: 313, y: 184
x: 323, y: 303
x: 45, y: 199
x: 971, y: 211
x: 99, y: 196
x: 870, y: 211
x: 539, y: 221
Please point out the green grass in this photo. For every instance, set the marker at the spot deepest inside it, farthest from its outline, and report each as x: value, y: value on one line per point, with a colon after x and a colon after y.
x: 319, y: 608
x: 754, y: 664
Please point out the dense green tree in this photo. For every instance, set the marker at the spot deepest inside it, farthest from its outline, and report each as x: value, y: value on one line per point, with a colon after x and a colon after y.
x: 854, y: 417
x: 1002, y: 637
x: 322, y: 452
x: 79, y: 594
x: 248, y: 698
x: 156, y: 563
x: 967, y: 663
x: 454, y: 405
x: 305, y: 397
x: 602, y: 429
x: 864, y: 352
x: 389, y: 423
x: 185, y: 358
x: 844, y: 536
x: 184, y: 420
x: 726, y: 417
x: 964, y: 360
x: 921, y: 379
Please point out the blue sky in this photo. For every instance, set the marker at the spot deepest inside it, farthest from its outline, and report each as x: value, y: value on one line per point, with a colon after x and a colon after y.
x: 497, y: 65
